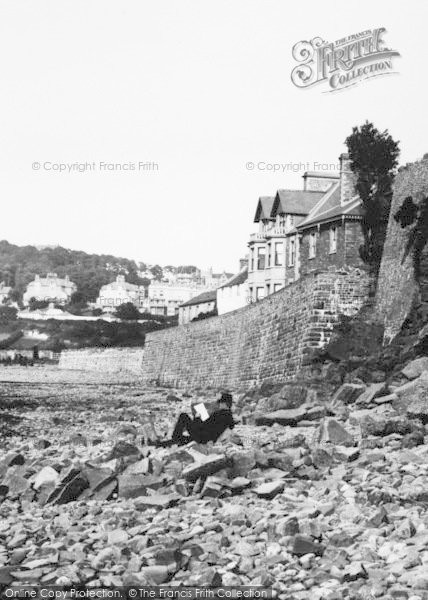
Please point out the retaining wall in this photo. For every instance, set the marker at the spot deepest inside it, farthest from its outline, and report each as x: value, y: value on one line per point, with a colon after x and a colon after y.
x: 104, y: 360
x: 264, y: 342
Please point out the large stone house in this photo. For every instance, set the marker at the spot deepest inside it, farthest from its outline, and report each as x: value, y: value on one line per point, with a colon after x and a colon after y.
x: 120, y: 292
x: 50, y: 289
x: 304, y: 230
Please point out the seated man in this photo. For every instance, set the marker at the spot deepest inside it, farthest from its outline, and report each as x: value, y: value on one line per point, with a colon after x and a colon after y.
x: 202, y: 431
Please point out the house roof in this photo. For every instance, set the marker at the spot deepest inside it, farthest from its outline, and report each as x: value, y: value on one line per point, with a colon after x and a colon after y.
x: 330, y: 209
x: 237, y: 279
x: 321, y: 174
x: 264, y: 208
x: 295, y: 202
x: 204, y: 298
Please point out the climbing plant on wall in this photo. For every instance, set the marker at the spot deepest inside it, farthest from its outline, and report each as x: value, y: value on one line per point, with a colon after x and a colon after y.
x: 374, y: 158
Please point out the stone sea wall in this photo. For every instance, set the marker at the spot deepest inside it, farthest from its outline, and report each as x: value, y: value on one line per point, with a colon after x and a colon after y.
x: 103, y: 360
x: 265, y: 342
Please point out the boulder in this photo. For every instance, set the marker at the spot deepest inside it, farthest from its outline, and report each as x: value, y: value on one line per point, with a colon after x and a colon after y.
x: 72, y: 489
x: 242, y: 463
x: 204, y: 466
x: 348, y: 393
x: 270, y: 489
x: 141, y: 467
x: 303, y: 544
x: 157, y: 500
x: 47, y: 475
x: 415, y: 368
x: 334, y: 433
x: 121, y: 449
x: 346, y: 454
x: 134, y: 486
x: 373, y: 391
x: 290, y: 416
x: 413, y: 398
x: 382, y: 425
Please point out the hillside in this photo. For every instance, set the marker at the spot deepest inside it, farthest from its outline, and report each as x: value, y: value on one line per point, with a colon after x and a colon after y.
x: 19, y: 265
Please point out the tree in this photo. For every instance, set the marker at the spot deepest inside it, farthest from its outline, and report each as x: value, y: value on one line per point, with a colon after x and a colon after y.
x: 128, y: 312
x: 157, y: 272
x: 7, y: 314
x: 37, y: 304
x: 374, y: 158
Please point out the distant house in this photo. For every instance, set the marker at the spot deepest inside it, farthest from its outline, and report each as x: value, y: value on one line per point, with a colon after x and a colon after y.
x: 50, y: 289
x: 166, y: 298
x: 203, y: 303
x: 4, y: 292
x: 234, y: 293
x: 120, y: 292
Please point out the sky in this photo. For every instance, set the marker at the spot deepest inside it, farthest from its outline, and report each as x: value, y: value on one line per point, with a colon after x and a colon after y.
x: 194, y: 90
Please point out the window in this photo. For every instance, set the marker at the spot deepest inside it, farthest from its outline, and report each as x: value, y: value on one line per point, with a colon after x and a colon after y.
x: 268, y: 254
x: 277, y: 287
x: 267, y: 289
x: 290, y: 220
x: 260, y: 293
x: 333, y: 240
x: 281, y: 221
x: 260, y: 258
x: 292, y: 253
x: 279, y: 249
x: 312, y: 244
x: 252, y: 260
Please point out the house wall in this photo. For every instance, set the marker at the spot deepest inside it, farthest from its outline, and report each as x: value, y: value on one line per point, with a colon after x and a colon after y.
x: 266, y: 341
x: 187, y: 313
x: 349, y: 238
x: 232, y: 297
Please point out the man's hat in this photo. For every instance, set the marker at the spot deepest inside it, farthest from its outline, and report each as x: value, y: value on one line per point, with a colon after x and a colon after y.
x: 226, y: 398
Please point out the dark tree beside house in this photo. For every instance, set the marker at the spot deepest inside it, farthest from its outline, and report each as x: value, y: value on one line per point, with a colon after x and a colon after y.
x: 128, y: 312
x: 374, y: 158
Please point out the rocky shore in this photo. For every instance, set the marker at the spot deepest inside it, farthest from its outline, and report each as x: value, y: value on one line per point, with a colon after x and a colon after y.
x: 316, y: 496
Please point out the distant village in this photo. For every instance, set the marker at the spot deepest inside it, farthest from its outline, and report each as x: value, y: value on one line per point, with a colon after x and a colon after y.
x: 298, y: 231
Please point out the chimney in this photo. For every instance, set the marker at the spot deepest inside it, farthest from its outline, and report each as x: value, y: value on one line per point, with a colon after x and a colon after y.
x: 347, y: 179
x: 243, y: 262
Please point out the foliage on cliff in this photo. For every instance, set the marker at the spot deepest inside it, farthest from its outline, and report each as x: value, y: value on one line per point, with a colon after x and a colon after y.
x: 415, y: 214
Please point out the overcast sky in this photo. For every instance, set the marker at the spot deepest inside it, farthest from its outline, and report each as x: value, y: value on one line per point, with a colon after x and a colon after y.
x: 200, y: 87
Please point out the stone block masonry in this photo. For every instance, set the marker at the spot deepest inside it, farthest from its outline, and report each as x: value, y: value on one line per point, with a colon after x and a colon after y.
x: 264, y: 342
x: 103, y: 360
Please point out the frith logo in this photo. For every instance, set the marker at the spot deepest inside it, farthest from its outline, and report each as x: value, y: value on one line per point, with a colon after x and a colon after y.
x: 342, y: 63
